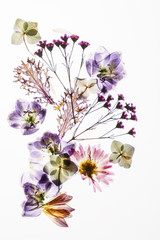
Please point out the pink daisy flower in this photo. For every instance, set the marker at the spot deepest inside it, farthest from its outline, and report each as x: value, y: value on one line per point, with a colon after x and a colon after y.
x: 93, y: 164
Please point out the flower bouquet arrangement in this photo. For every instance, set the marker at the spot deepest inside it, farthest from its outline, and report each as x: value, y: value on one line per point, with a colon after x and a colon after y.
x: 85, y: 111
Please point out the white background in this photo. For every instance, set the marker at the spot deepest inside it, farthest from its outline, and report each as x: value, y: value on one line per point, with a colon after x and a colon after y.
x: 130, y: 207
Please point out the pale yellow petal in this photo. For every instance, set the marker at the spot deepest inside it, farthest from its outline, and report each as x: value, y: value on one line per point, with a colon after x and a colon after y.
x: 116, y: 147
x: 19, y: 25
x: 85, y: 93
x: 128, y: 150
x: 94, y: 89
x: 17, y: 38
x: 81, y: 83
x: 62, y: 31
x: 33, y: 39
x: 91, y: 81
x: 32, y: 25
x: 126, y: 163
x: 115, y: 157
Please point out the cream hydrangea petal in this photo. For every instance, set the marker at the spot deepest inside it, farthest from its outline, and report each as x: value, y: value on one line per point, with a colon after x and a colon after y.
x: 19, y: 25
x: 17, y: 38
x: 32, y: 25
x: 85, y: 93
x: 116, y: 147
x: 94, y: 89
x: 91, y: 82
x: 128, y: 150
x: 115, y: 157
x: 81, y: 83
x: 126, y: 163
x: 33, y: 39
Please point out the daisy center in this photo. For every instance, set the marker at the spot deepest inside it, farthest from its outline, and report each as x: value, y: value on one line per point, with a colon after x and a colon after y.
x: 88, y: 168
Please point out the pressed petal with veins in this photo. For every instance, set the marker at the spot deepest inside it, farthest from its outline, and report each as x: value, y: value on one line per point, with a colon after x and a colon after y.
x: 122, y: 154
x: 22, y: 29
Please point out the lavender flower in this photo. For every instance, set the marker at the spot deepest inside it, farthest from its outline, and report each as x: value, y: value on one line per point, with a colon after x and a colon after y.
x: 37, y: 188
x: 55, y: 155
x: 45, y: 147
x: 108, y: 69
x: 50, y: 143
x: 27, y: 116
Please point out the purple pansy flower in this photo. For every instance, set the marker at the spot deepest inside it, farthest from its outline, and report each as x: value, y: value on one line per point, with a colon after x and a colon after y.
x: 107, y: 67
x: 46, y: 146
x: 27, y: 116
x: 52, y: 156
x: 37, y: 188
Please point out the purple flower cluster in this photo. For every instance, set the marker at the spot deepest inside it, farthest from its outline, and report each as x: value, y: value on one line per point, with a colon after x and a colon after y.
x: 119, y: 110
x: 62, y: 42
x: 106, y: 67
x: 37, y: 187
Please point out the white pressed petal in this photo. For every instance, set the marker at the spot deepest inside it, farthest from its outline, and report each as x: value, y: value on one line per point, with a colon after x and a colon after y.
x: 62, y: 31
x: 115, y: 157
x: 94, y: 89
x: 33, y: 39
x: 125, y: 163
x: 81, y: 83
x: 48, y: 168
x: 32, y: 25
x: 116, y: 146
x: 91, y: 81
x: 19, y: 25
x: 85, y: 94
x: 128, y: 150
x: 17, y: 38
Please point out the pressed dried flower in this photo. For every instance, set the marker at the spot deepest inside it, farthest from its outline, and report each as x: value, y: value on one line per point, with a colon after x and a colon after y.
x: 93, y: 164
x: 27, y: 116
x: 122, y: 154
x: 25, y: 29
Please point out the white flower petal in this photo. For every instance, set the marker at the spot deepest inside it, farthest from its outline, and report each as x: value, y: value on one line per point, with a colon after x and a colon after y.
x: 33, y: 39
x: 128, y: 150
x: 85, y: 93
x: 94, y: 89
x: 115, y: 157
x: 17, y: 38
x: 126, y: 163
x: 116, y: 147
x: 81, y: 83
x: 91, y: 81
x: 19, y: 25
x: 32, y: 25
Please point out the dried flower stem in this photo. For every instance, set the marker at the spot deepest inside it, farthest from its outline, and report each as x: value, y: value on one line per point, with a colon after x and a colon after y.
x: 81, y: 64
x: 53, y: 70
x: 26, y: 45
x: 69, y: 78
